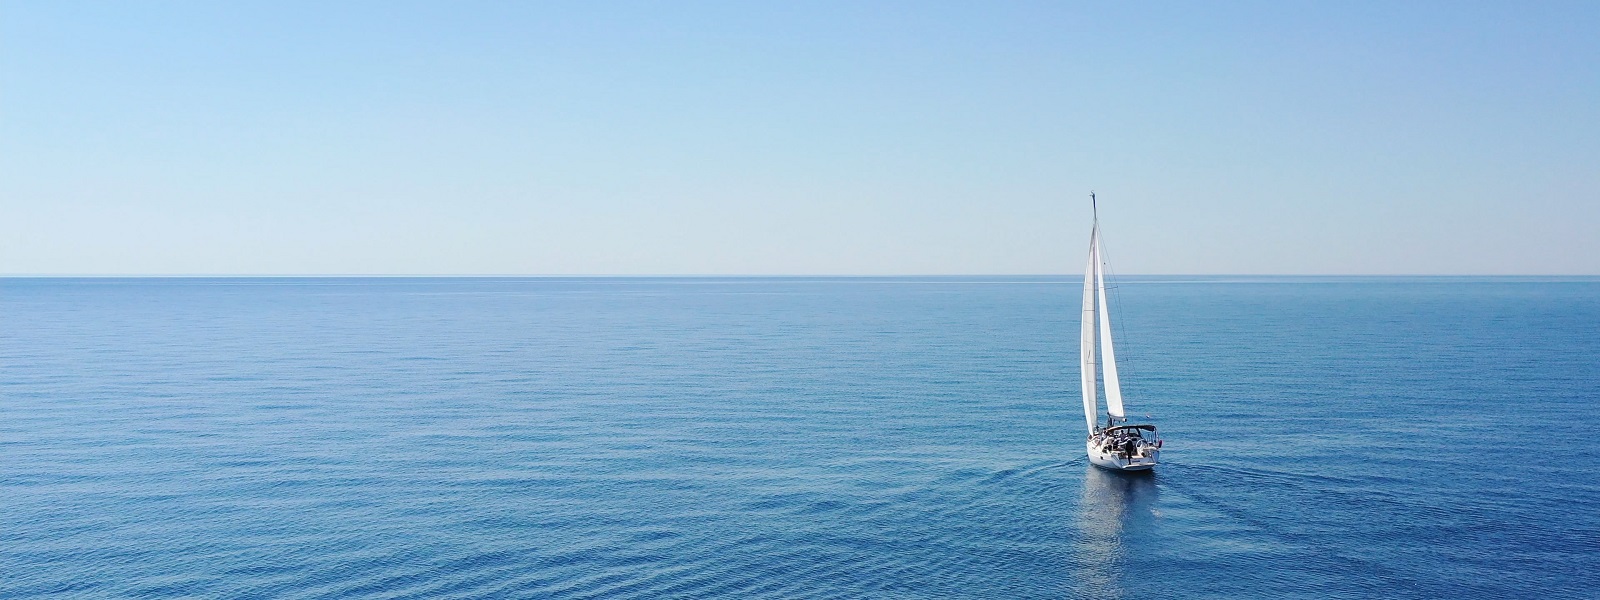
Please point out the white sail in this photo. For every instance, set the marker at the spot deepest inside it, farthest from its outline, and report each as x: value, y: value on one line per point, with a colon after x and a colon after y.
x: 1108, y: 364
x: 1086, y: 365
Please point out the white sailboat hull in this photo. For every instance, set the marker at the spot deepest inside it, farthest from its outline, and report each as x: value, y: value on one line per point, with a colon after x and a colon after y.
x: 1142, y: 461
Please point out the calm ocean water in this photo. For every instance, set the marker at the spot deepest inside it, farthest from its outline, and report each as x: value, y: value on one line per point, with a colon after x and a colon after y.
x: 793, y: 438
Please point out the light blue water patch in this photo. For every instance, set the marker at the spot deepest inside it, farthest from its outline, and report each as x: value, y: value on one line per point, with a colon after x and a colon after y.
x: 793, y: 438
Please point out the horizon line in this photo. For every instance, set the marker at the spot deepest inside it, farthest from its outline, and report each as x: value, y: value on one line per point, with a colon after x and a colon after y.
x: 722, y: 276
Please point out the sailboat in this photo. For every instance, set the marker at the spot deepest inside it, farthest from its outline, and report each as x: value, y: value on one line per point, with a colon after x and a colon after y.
x: 1115, y: 445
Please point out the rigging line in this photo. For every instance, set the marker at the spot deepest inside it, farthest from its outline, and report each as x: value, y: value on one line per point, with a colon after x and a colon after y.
x: 1124, y: 354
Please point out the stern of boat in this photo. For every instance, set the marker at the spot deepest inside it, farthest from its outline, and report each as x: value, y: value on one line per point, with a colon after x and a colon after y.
x: 1144, y: 460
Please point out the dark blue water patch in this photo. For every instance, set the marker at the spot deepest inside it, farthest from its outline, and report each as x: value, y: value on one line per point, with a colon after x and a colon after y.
x: 793, y: 437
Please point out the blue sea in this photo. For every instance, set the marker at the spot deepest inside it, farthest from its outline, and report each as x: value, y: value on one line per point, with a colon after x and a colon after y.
x: 794, y: 438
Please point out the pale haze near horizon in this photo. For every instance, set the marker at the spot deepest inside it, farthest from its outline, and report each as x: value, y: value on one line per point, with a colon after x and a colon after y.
x: 813, y: 138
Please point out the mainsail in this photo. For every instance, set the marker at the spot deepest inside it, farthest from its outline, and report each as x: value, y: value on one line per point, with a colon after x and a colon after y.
x: 1108, y: 365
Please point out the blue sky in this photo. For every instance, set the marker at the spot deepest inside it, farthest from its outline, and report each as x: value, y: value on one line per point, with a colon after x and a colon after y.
x: 799, y: 138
